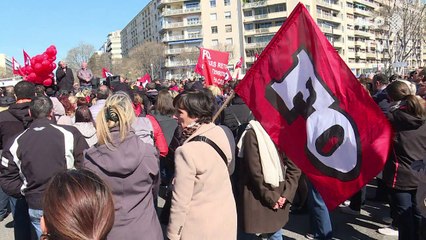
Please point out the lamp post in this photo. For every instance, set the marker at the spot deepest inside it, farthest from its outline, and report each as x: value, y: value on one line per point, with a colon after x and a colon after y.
x: 152, y: 71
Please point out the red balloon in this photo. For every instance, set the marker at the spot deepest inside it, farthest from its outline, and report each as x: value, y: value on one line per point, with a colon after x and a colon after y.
x: 31, y: 77
x: 53, y: 66
x: 47, y: 82
x: 37, y: 67
x: 45, y: 56
x: 51, y: 75
x: 51, y: 51
x: 33, y: 61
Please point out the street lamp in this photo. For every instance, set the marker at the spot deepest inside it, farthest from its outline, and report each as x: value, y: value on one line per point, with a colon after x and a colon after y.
x: 152, y: 70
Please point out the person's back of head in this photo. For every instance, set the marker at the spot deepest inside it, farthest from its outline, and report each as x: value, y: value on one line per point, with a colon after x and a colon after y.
x: 83, y: 114
x: 400, y: 91
x: 24, y: 90
x: 381, y: 78
x: 40, y: 90
x: 77, y: 204
x: 41, y: 107
x: 150, y: 86
x: 103, y: 92
x: 164, y: 104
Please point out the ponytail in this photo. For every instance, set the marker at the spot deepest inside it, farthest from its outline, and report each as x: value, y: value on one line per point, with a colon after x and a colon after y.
x: 415, y: 106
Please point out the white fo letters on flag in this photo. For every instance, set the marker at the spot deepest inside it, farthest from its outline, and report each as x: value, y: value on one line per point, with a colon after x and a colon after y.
x: 333, y: 145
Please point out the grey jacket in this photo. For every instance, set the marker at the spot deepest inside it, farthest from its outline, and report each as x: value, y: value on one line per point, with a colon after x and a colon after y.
x: 131, y: 170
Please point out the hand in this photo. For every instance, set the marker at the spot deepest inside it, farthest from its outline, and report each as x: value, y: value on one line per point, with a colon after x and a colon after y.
x: 281, y: 202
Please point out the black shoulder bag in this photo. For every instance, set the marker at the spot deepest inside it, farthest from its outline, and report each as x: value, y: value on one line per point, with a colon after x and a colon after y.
x: 212, y: 144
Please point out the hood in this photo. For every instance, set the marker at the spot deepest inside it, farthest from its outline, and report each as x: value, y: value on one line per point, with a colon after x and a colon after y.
x: 403, y: 121
x: 121, y: 160
x: 20, y: 111
x: 86, y: 128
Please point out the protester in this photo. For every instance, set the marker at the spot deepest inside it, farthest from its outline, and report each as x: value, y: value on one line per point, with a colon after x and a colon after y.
x: 266, y: 186
x: 41, y: 151
x: 64, y: 77
x: 69, y: 117
x: 101, y: 95
x: 203, y: 206
x: 407, y: 115
x: 85, y: 76
x: 130, y: 167
x: 77, y: 205
x: 85, y: 124
x: 12, y: 122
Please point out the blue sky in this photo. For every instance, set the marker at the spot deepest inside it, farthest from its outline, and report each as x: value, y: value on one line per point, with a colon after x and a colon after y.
x: 34, y: 25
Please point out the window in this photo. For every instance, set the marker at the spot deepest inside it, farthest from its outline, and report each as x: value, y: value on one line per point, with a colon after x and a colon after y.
x: 227, y: 2
x: 228, y: 15
x: 214, y: 29
x: 228, y: 28
x: 248, y: 26
x: 228, y: 41
x: 193, y: 20
x: 213, y: 16
x: 248, y: 13
x: 212, y: 3
x: 215, y: 42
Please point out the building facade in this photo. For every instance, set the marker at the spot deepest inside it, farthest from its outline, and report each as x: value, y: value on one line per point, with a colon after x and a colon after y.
x: 6, y: 68
x: 113, y: 46
x: 244, y: 28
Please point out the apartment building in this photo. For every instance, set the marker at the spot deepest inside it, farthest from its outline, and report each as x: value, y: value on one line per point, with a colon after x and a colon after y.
x: 142, y: 28
x: 113, y: 46
x: 5, y: 65
x: 245, y: 28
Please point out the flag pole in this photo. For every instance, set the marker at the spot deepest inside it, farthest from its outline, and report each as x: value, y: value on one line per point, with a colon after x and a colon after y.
x: 224, y: 105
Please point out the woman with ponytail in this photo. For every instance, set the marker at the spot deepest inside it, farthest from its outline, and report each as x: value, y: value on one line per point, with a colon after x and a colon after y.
x: 131, y: 169
x: 407, y: 115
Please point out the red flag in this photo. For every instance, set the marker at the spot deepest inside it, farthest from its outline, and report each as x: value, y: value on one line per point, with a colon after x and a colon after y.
x: 106, y: 73
x: 27, y: 59
x: 16, y: 67
x: 213, y: 65
x: 145, y: 78
x: 316, y: 111
x: 239, y: 64
x: 256, y: 56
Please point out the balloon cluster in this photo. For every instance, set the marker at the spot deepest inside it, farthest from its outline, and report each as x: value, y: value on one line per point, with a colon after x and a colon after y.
x: 42, y: 65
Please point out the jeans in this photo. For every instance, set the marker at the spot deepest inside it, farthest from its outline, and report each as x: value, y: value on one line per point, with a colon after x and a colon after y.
x: 319, y: 216
x: 264, y: 236
x: 35, y: 216
x: 4, y: 204
x: 406, y: 216
x: 22, y: 224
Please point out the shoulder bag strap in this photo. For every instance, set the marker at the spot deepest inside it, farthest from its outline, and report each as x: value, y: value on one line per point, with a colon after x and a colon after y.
x: 213, y: 145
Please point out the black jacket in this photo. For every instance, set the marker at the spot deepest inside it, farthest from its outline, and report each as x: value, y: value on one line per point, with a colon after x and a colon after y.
x: 13, y: 121
x: 36, y: 155
x: 236, y: 114
x: 409, y: 146
x: 64, y: 79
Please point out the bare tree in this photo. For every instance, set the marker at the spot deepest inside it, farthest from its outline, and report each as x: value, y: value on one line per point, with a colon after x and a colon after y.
x: 99, y: 61
x: 402, y: 29
x: 79, y: 54
x: 146, y: 58
x: 4, y: 73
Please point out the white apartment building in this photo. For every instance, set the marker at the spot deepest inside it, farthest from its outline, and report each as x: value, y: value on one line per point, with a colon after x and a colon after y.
x: 113, y: 46
x: 143, y: 27
x: 244, y: 29
x: 5, y: 65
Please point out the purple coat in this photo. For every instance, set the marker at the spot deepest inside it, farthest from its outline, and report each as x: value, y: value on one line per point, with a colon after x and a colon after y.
x: 131, y: 170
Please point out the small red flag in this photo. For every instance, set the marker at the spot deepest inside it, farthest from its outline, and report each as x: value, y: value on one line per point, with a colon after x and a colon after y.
x: 16, y: 67
x: 213, y: 65
x: 106, y: 73
x: 316, y: 111
x: 144, y: 79
x: 27, y: 59
x: 239, y: 64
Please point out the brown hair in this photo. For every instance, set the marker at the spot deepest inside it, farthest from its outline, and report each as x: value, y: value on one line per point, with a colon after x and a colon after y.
x: 399, y: 91
x: 77, y: 204
x: 68, y: 106
x: 164, y: 104
x: 198, y: 104
x: 83, y: 114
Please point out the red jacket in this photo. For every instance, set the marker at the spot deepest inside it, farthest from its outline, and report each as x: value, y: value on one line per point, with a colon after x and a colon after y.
x: 159, y: 139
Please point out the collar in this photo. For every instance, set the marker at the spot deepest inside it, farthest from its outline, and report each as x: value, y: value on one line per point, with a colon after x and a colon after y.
x: 200, y: 131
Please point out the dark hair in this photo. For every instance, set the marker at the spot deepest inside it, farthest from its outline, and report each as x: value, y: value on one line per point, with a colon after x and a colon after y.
x: 81, y: 101
x: 103, y: 92
x: 41, y: 107
x: 68, y: 106
x: 381, y: 78
x: 24, y: 90
x: 150, y: 86
x: 198, y: 104
x: 77, y: 204
x: 83, y: 114
x: 39, y: 90
x: 399, y: 91
x: 164, y: 104
x: 393, y: 77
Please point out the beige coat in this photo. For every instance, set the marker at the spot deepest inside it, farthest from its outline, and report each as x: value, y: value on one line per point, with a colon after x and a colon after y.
x: 203, y: 206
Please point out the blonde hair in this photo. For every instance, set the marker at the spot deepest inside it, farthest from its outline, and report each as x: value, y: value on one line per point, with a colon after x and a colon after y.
x: 118, y: 111
x: 215, y: 90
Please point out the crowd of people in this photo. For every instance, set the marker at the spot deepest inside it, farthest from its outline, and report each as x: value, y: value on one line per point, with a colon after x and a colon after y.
x: 81, y: 161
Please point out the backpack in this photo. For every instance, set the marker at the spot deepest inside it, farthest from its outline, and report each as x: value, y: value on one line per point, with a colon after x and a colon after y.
x: 144, y: 130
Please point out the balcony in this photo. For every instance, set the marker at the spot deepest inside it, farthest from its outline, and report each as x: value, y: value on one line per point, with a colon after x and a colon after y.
x: 329, y: 5
x: 182, y: 37
x: 361, y: 55
x: 255, y: 4
x: 256, y: 45
x: 172, y: 12
x: 371, y: 55
x: 163, y: 2
x: 337, y: 44
x: 180, y: 24
x: 360, y: 44
x: 180, y: 50
x: 362, y: 12
x: 329, y: 17
x: 350, y: 54
x: 262, y: 30
x: 364, y: 34
x: 266, y: 16
x: 180, y: 63
x: 250, y: 59
x: 330, y: 30
x: 369, y: 3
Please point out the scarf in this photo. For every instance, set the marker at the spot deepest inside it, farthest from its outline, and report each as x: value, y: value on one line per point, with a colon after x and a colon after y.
x: 269, y: 157
x: 188, y: 131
